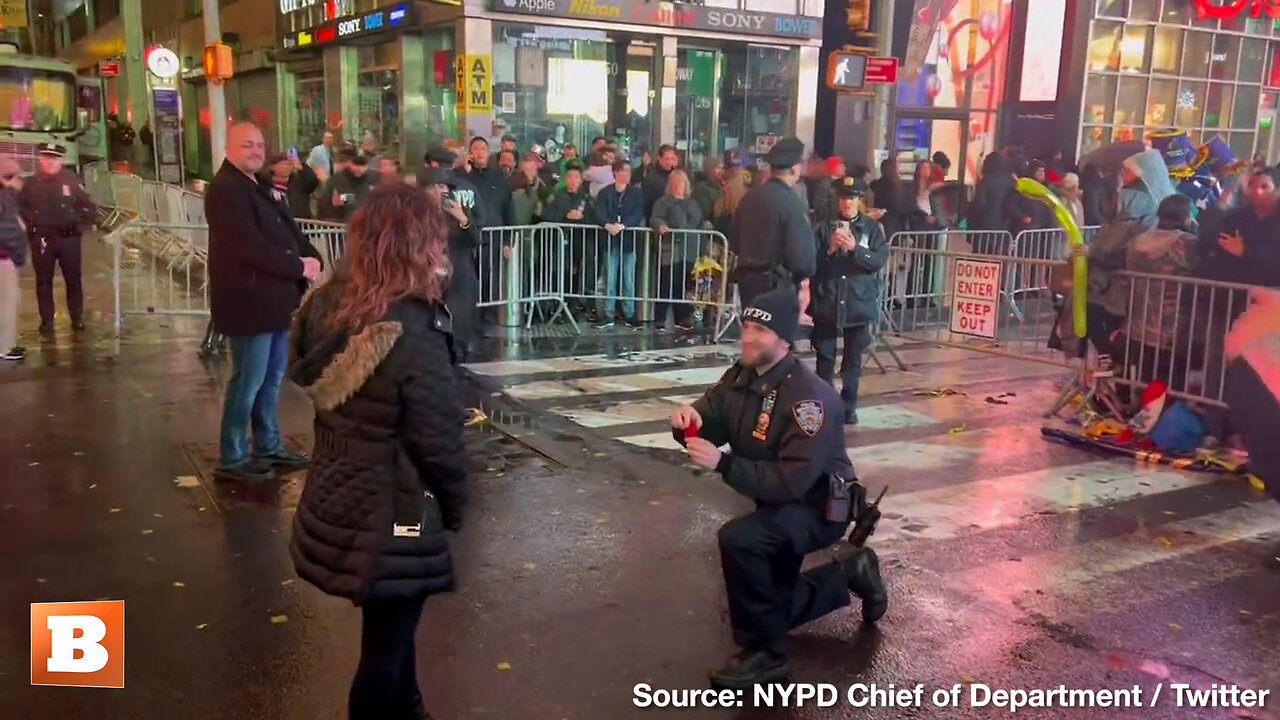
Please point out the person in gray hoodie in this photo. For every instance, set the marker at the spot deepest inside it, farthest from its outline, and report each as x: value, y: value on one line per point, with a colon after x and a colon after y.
x: 13, y: 253
x: 1145, y: 182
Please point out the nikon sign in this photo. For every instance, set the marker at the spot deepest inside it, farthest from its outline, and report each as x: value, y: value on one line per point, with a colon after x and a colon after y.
x: 670, y: 15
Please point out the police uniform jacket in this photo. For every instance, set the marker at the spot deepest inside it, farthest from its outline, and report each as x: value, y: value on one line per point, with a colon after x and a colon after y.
x: 55, y: 205
x: 783, y: 442
x: 771, y: 233
x: 845, y: 291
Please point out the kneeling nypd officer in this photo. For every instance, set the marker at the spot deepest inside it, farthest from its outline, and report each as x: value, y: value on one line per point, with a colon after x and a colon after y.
x: 787, y: 455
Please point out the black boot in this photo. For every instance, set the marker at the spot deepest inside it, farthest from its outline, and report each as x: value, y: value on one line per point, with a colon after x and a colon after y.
x: 750, y: 668
x: 863, y: 573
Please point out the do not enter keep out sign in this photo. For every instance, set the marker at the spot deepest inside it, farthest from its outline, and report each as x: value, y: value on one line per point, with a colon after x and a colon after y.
x: 975, y: 293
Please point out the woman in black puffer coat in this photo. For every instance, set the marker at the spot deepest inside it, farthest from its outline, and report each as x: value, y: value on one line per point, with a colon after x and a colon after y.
x: 372, y: 348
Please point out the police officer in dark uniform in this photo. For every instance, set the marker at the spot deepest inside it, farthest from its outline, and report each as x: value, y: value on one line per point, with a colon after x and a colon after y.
x: 787, y: 455
x: 846, y: 289
x: 770, y: 232
x: 54, y: 204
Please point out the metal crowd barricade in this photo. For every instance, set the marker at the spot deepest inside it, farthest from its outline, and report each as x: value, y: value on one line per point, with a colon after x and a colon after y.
x: 520, y: 272
x: 913, y: 278
x: 328, y: 238
x: 159, y: 269
x: 961, y: 306
x: 1041, y: 244
x: 1173, y: 330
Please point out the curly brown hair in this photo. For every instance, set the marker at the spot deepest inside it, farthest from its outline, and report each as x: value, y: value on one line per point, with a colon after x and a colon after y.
x: 396, y: 248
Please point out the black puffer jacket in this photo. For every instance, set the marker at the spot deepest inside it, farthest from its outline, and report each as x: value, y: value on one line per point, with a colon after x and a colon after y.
x: 388, y: 450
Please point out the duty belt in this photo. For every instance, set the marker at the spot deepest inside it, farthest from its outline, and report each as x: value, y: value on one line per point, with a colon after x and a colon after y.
x: 55, y: 231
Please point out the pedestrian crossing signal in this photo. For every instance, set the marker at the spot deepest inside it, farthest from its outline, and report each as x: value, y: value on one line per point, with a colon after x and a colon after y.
x: 846, y: 71
x: 218, y: 62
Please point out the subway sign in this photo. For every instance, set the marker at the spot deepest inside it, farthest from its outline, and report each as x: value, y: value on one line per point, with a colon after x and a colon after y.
x: 388, y: 18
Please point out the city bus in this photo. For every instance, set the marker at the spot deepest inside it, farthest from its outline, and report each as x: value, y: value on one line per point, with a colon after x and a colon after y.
x: 41, y: 102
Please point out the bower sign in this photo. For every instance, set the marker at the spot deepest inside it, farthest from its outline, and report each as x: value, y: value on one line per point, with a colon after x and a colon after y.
x: 975, y: 293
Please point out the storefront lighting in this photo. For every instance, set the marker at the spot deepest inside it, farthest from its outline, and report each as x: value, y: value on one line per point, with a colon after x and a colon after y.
x: 398, y: 14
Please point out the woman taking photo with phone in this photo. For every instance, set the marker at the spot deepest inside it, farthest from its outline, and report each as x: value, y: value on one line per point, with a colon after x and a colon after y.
x: 389, y: 474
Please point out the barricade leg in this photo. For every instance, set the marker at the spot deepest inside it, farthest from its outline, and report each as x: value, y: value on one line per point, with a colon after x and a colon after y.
x: 509, y: 275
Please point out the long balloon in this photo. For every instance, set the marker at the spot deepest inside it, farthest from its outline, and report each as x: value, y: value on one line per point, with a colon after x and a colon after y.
x: 1079, y: 266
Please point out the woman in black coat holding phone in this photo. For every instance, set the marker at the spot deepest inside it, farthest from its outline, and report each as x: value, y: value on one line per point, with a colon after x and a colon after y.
x: 463, y: 294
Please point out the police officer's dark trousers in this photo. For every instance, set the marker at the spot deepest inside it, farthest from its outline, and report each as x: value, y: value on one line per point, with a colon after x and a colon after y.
x: 760, y: 555
x: 856, y: 341
x: 52, y: 249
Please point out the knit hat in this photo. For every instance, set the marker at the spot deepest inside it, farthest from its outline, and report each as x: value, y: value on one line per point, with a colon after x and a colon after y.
x: 777, y: 310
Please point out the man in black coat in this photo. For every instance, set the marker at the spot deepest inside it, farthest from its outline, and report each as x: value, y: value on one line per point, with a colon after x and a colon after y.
x: 771, y: 232
x: 490, y: 182
x: 259, y: 265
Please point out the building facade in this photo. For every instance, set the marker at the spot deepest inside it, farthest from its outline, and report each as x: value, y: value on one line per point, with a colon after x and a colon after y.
x: 707, y: 78
x: 1128, y: 68
x: 93, y: 31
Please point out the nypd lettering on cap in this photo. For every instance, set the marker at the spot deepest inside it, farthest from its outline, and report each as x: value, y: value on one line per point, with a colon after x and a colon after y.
x: 757, y: 314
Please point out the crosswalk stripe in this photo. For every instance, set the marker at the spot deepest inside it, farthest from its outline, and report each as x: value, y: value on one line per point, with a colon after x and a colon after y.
x: 1105, y: 569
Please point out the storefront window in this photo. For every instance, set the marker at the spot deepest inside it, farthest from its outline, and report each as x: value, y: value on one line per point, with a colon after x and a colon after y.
x: 1133, y: 49
x: 1161, y: 101
x: 1197, y: 48
x: 1253, y: 58
x: 1144, y: 10
x: 378, y: 96
x: 552, y: 85
x: 1244, y: 114
x: 758, y: 96
x: 310, y: 107
x: 1111, y: 8
x: 441, y: 97
x: 1104, y: 49
x: 697, y: 90
x: 1225, y: 57
x: 1100, y: 99
x: 1131, y: 100
x: 1166, y: 51
x: 1191, y: 102
x: 1217, y: 112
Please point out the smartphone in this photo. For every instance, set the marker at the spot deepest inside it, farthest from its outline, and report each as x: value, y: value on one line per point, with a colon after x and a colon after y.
x: 293, y: 153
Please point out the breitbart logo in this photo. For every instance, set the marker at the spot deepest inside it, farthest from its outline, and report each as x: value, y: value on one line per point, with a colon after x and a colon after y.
x: 78, y: 644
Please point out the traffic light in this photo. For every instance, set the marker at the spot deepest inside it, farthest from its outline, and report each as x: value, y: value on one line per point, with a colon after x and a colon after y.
x: 218, y: 62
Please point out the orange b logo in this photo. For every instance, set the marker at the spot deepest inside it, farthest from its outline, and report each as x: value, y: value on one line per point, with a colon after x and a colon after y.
x: 78, y: 644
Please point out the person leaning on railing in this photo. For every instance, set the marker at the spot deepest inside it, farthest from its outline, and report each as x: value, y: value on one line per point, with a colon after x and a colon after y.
x: 619, y: 208
x: 572, y: 206
x: 673, y: 216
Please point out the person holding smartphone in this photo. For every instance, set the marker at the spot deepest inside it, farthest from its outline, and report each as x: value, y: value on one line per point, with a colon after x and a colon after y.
x: 845, y: 291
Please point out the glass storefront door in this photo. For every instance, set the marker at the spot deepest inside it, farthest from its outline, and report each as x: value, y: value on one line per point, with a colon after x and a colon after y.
x: 634, y: 92
x: 697, y: 112
x: 378, y: 93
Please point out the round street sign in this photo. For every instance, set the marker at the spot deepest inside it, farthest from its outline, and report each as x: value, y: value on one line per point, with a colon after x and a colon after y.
x: 163, y: 63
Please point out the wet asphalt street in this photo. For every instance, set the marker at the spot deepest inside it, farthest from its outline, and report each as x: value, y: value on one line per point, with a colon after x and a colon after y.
x: 589, y: 563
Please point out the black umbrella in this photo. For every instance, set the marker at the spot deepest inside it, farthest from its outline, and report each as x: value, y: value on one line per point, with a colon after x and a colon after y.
x: 1109, y: 157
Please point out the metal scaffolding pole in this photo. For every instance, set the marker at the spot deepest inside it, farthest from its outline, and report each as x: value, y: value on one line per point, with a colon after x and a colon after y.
x: 217, y: 92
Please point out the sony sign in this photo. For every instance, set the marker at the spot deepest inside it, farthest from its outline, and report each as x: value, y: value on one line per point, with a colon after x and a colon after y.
x: 288, y: 6
x: 729, y: 20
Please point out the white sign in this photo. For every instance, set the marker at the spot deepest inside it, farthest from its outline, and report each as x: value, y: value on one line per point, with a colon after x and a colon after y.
x: 163, y: 63
x: 288, y: 6
x: 975, y: 293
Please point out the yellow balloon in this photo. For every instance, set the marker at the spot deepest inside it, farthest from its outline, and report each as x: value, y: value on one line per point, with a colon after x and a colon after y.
x: 1079, y: 267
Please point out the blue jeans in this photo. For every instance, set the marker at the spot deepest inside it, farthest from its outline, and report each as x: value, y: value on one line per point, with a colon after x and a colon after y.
x: 257, y: 369
x: 617, y: 259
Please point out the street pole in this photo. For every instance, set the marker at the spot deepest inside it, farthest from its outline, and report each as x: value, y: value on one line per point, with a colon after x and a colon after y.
x: 217, y: 92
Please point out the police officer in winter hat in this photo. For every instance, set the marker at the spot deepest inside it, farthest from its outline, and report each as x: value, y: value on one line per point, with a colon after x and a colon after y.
x: 771, y: 230
x: 54, y: 205
x: 787, y: 454
x: 845, y: 291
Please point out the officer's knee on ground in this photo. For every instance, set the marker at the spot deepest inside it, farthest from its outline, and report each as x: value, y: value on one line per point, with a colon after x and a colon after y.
x: 740, y: 534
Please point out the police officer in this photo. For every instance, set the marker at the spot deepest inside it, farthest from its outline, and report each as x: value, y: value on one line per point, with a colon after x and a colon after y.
x: 786, y: 455
x: 770, y: 232
x: 846, y: 289
x: 54, y: 205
